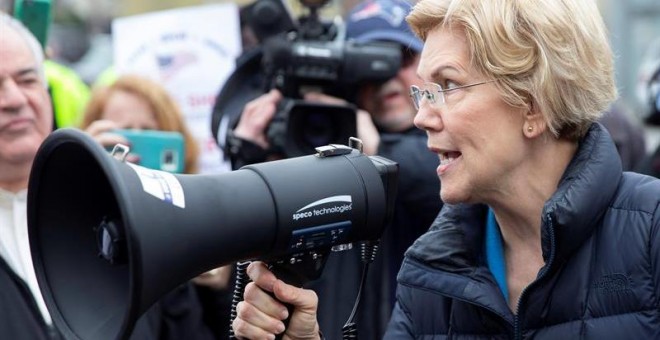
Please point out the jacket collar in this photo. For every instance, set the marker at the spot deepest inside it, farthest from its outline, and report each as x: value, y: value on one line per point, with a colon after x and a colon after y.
x: 583, y: 195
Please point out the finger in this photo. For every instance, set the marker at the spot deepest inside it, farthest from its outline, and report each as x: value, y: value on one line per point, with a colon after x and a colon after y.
x: 261, y: 276
x: 270, y: 98
x: 303, y: 324
x: 101, y: 126
x: 217, y: 278
x: 245, y: 330
x: 305, y: 300
x: 275, y: 95
x: 266, y: 303
x: 253, y: 128
x: 251, y: 317
x: 323, y: 98
x: 367, y: 133
x: 364, y: 120
x: 266, y: 114
x: 259, y: 116
x: 133, y: 158
x: 255, y: 119
x: 109, y: 139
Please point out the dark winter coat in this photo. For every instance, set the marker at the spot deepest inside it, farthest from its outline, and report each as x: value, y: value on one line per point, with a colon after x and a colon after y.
x: 175, y: 316
x: 20, y: 318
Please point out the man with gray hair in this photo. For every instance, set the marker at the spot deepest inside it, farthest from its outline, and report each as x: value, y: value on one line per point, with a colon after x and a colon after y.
x: 26, y: 118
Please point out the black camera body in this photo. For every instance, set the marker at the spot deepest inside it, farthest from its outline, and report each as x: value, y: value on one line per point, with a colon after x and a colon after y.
x: 337, y: 68
x: 294, y: 64
x: 312, y: 55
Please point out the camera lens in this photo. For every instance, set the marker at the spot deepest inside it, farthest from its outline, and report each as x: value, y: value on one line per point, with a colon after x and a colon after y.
x: 310, y: 125
x: 319, y: 130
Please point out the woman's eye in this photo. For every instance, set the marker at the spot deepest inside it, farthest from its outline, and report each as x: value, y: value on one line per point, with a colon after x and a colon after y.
x: 451, y: 85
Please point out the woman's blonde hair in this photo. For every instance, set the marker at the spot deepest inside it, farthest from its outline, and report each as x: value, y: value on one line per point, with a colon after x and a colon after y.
x: 167, y: 113
x: 550, y: 55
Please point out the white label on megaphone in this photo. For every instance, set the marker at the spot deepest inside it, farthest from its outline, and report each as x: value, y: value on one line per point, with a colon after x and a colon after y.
x: 341, y: 204
x: 160, y: 184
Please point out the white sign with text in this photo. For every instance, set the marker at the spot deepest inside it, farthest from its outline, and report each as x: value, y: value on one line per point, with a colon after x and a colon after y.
x: 191, y: 51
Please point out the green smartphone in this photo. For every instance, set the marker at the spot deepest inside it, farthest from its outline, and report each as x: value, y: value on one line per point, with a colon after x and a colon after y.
x: 36, y: 16
x: 158, y: 150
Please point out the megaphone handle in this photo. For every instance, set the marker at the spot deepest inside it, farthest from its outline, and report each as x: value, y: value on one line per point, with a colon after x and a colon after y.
x: 289, y: 275
x: 283, y: 273
x: 290, y: 308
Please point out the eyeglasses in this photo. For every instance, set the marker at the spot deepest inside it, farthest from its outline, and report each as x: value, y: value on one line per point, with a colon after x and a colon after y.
x: 427, y: 92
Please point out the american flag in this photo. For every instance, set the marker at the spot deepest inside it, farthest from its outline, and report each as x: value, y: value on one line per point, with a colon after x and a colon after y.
x: 172, y: 63
x: 390, y: 11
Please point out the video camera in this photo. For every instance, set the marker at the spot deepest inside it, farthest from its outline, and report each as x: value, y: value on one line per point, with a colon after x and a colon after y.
x: 312, y: 55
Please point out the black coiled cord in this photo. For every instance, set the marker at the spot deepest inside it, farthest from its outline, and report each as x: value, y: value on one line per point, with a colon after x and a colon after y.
x: 368, y: 250
x: 239, y: 287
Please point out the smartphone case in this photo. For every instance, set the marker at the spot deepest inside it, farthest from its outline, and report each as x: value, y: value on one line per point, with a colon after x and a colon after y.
x: 158, y: 150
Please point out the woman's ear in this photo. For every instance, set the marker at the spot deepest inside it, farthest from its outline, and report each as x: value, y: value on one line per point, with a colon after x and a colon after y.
x: 534, y: 123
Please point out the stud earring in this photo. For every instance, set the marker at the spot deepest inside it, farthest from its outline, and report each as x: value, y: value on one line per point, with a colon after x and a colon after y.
x: 530, y: 128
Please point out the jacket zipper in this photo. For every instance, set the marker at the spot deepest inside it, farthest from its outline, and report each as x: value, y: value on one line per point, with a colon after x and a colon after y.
x: 516, y: 318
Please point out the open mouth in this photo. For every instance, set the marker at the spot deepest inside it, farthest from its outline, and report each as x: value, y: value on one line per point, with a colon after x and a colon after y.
x: 447, y: 158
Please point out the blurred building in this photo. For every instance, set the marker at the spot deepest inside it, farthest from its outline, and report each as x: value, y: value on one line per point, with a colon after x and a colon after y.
x: 633, y: 26
x: 128, y: 7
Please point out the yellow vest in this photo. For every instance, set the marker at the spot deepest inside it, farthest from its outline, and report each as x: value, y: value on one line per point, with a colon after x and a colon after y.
x: 68, y: 93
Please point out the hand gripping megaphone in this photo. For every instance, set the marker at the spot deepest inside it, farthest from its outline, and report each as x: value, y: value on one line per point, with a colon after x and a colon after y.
x: 109, y: 238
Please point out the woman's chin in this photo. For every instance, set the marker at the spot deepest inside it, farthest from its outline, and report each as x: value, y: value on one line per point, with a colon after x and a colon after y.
x: 451, y: 197
x: 454, y: 192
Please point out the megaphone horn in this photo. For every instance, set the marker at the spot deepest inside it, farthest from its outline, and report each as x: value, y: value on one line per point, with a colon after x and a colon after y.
x: 108, y: 238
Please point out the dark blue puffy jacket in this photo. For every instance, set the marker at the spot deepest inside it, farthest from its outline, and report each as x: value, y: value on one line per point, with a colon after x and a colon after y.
x: 601, y: 279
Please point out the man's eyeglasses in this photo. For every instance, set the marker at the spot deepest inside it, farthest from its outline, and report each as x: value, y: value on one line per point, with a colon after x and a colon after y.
x: 434, y: 94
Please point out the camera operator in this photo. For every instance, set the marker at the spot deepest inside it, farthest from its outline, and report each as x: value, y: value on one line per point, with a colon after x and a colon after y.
x: 385, y: 126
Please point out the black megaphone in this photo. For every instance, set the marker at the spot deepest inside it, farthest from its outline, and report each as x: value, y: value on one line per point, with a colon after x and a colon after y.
x: 109, y: 238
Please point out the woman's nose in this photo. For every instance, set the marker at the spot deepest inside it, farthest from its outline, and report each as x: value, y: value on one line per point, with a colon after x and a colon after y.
x: 428, y: 119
